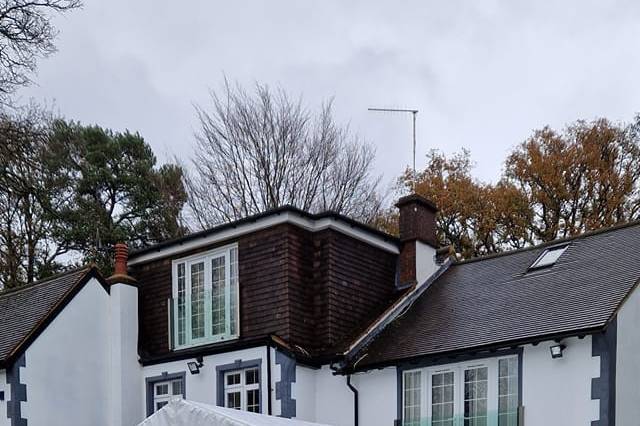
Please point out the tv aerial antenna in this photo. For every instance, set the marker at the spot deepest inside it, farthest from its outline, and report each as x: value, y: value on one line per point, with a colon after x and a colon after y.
x: 414, y: 113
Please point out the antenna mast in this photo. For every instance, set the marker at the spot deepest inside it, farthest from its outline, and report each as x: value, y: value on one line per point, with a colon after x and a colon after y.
x: 414, y: 113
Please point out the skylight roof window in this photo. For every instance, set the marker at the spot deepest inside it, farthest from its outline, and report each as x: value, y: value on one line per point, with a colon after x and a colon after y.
x: 549, y: 257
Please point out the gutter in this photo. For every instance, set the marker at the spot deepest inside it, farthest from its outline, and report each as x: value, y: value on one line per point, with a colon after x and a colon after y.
x: 489, y: 348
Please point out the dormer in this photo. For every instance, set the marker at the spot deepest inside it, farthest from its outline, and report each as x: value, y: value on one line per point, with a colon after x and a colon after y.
x: 311, y: 280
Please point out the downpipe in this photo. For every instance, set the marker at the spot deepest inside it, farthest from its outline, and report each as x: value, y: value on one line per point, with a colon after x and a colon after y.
x: 269, y: 388
x: 355, y: 400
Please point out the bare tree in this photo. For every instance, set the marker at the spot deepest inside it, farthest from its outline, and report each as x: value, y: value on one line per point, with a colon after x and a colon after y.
x: 261, y: 150
x: 26, y: 34
x: 29, y: 190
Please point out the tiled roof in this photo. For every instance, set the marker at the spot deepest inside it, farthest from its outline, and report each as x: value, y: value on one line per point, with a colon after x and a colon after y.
x: 24, y: 310
x: 495, y: 300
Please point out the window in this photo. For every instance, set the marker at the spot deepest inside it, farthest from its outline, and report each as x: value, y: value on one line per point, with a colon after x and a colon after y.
x: 442, y: 399
x: 475, y: 396
x: 508, y: 392
x: 204, y: 307
x: 165, y: 391
x: 478, y: 393
x: 242, y: 390
x: 412, y: 397
x: 549, y: 257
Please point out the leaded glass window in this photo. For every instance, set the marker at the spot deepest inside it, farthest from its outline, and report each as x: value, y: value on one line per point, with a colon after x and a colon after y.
x: 475, y: 396
x: 204, y: 307
x: 182, y: 308
x: 442, y: 399
x: 412, y: 397
x: 218, y: 280
x: 508, y: 391
x: 197, y: 300
x: 483, y: 392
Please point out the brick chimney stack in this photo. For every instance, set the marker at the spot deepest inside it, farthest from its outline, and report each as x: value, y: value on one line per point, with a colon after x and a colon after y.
x: 418, y: 237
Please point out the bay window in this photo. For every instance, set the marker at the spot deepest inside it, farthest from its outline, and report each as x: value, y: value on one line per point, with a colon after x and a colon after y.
x: 204, y: 307
x: 475, y: 393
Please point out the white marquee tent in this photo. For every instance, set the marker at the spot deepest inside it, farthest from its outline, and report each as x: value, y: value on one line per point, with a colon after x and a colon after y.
x: 181, y: 412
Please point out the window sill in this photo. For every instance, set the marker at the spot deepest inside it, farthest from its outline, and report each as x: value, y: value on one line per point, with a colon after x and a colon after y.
x: 206, y: 342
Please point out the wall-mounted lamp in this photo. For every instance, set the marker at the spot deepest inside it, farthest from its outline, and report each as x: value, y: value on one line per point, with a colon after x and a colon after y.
x: 556, y: 351
x: 195, y: 366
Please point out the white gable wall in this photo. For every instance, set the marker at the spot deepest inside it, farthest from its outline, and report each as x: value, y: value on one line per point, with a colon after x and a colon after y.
x: 67, y: 366
x: 628, y: 362
x: 558, y: 391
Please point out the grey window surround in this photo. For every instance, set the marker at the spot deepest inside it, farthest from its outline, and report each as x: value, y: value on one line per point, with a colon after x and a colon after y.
x: 283, y: 387
x: 237, y: 365
x: 151, y: 381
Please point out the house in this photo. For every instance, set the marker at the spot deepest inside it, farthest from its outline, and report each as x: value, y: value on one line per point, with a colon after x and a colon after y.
x: 321, y: 318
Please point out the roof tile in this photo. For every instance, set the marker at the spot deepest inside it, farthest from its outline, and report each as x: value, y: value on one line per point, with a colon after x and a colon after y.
x: 496, y: 300
x: 23, y: 309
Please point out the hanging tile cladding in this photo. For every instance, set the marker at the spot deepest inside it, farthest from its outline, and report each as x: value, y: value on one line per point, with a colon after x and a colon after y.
x: 316, y: 290
x: 355, y: 283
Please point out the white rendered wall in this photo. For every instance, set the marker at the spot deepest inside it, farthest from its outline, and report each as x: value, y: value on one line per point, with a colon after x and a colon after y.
x: 377, y: 392
x: 628, y: 362
x: 67, y: 366
x: 425, y: 261
x: 4, y: 387
x: 304, y: 392
x: 334, y: 400
x: 377, y: 398
x: 203, y: 387
x: 126, y: 372
x: 558, y: 391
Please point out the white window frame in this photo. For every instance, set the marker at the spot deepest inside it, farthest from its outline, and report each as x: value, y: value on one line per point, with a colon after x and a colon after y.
x: 242, y: 387
x: 458, y: 369
x: 169, y: 396
x: 206, y: 258
x: 549, y: 257
x: 420, y: 402
x: 428, y: 382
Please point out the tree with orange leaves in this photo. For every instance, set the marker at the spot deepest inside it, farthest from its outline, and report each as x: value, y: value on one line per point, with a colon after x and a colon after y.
x: 555, y: 184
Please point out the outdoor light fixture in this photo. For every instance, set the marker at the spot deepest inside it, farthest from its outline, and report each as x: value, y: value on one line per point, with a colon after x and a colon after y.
x: 194, y: 366
x: 556, y: 351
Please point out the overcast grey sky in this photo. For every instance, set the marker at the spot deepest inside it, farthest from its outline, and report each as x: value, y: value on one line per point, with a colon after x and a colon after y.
x: 482, y: 73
